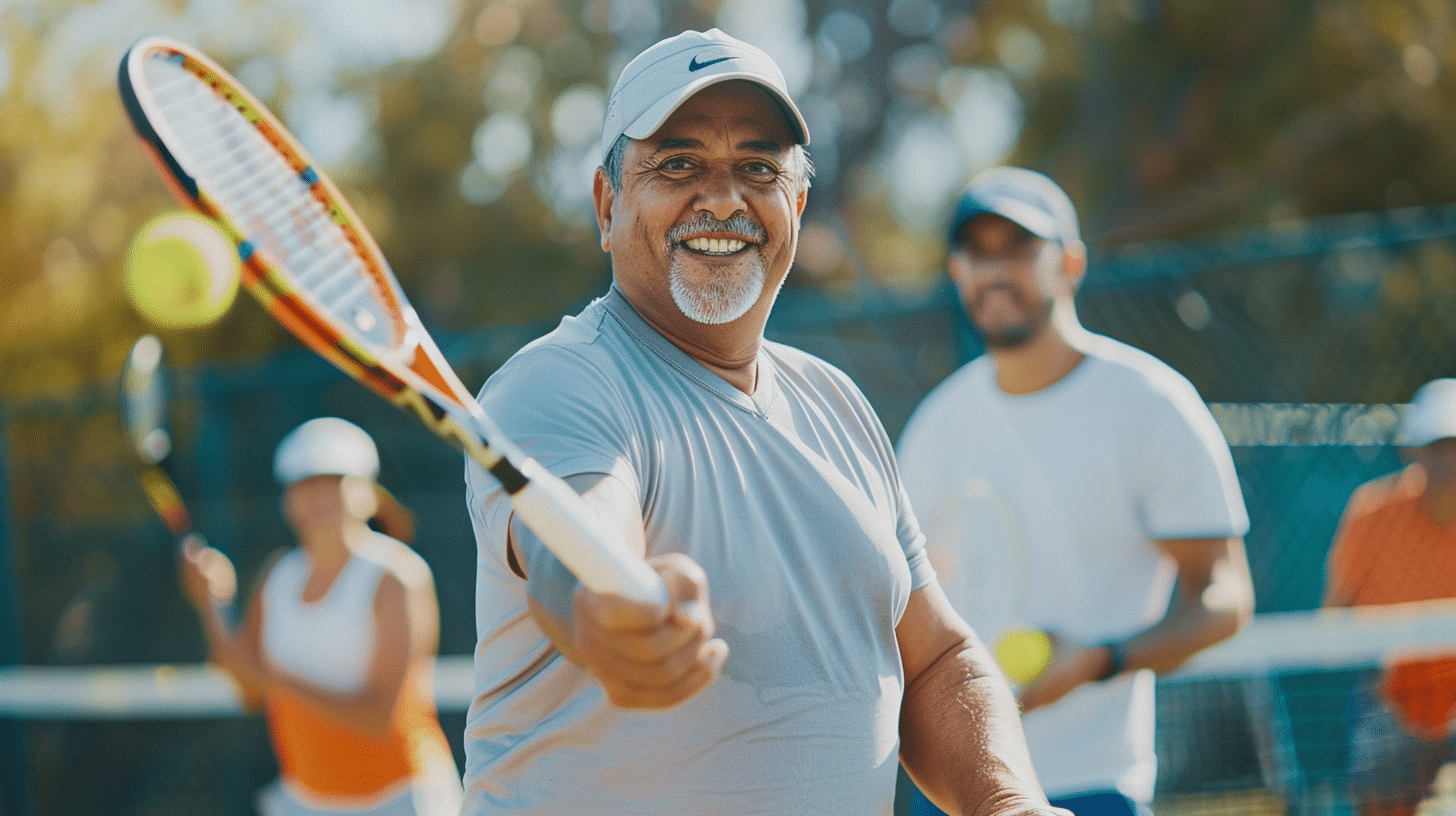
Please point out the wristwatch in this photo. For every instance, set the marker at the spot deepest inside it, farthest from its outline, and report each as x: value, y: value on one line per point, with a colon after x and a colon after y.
x: 1116, y: 659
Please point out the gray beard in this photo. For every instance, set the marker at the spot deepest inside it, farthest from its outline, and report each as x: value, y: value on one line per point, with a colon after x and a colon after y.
x: 721, y: 300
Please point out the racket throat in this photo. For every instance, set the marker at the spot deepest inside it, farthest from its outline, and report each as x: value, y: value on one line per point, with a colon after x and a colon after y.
x: 510, y: 477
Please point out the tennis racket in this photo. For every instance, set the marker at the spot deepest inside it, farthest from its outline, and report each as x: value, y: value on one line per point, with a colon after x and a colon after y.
x: 313, y: 266
x: 144, y: 417
x: 976, y: 541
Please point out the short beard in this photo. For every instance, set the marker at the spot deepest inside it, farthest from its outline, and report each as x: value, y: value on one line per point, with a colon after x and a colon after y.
x: 719, y: 301
x: 723, y: 299
x: 1017, y: 335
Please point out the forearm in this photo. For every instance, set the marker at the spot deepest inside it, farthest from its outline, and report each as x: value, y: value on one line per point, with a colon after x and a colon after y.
x: 1178, y: 636
x: 1214, y: 599
x: 961, y: 738
x: 229, y: 651
x: 369, y: 710
x: 550, y: 587
x: 393, y: 518
x: 644, y: 656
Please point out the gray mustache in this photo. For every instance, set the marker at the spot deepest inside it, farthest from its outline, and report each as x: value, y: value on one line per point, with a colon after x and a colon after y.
x: 738, y: 225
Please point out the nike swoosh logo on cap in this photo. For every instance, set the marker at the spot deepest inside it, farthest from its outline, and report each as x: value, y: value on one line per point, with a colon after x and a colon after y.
x: 694, y: 65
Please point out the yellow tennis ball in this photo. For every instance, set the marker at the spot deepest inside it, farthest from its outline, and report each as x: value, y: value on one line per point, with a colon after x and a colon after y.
x: 1024, y: 654
x: 182, y: 271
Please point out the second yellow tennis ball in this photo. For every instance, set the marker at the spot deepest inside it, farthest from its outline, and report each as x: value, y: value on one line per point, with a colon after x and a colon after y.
x: 181, y: 271
x: 1024, y: 654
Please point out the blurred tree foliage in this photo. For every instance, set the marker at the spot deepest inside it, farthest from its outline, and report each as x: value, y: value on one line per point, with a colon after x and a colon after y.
x: 1165, y: 119
x: 1174, y: 125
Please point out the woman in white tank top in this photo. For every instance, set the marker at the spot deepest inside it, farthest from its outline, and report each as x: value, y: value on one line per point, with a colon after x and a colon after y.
x: 337, y: 645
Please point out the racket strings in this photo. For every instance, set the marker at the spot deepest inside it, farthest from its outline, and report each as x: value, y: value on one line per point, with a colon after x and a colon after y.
x: 268, y: 201
x: 980, y: 542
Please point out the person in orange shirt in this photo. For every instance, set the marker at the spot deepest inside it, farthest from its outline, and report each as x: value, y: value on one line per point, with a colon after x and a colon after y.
x: 338, y: 641
x: 1397, y: 543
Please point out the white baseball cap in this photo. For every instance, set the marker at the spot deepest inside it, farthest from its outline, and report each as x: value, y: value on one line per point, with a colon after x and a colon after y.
x: 1023, y: 196
x: 325, y: 446
x: 1431, y: 414
x: 661, y: 78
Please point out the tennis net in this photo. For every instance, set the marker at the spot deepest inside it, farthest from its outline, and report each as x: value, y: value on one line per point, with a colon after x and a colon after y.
x: 1256, y: 725
x: 1263, y: 723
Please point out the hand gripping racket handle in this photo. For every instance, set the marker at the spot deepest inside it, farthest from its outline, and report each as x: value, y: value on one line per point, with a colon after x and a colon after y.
x: 565, y: 523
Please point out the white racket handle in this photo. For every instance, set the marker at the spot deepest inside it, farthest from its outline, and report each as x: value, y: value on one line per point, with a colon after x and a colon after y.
x: 569, y: 528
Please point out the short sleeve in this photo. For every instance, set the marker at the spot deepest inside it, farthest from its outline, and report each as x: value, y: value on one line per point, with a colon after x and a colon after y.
x: 560, y: 410
x: 1344, y: 553
x: 926, y: 475
x: 1191, y: 489
x: 1357, y: 544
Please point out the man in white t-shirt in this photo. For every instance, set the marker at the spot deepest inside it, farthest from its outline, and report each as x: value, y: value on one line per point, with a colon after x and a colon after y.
x: 827, y: 652
x: 1072, y: 485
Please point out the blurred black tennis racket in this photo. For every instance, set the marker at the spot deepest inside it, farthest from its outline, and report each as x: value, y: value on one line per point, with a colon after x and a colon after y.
x: 145, y: 418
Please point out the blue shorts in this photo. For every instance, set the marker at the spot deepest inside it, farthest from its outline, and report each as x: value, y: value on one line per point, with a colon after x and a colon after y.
x: 1107, y: 803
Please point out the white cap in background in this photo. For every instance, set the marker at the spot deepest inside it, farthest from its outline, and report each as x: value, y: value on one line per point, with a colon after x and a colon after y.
x: 325, y: 446
x: 1431, y: 414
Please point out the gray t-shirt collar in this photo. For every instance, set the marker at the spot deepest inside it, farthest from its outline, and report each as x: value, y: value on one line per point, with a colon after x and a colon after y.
x: 758, y: 403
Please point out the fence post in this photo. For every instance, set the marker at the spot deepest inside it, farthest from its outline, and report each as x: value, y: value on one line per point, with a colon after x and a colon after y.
x: 15, y: 771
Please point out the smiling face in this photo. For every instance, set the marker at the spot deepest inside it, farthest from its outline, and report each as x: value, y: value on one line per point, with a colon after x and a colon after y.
x: 707, y: 217
x: 1009, y: 280
x: 321, y: 502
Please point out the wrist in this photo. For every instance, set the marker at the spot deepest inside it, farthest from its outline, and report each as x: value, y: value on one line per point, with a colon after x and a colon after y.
x: 1116, y: 659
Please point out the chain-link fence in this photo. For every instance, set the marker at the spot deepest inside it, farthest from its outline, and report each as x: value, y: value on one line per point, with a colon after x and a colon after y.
x: 1302, y: 337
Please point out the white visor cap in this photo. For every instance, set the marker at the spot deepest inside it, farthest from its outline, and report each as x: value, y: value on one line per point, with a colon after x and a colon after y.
x: 326, y: 446
x: 661, y: 78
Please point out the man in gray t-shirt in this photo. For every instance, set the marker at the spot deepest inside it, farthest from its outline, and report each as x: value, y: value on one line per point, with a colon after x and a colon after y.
x: 827, y: 650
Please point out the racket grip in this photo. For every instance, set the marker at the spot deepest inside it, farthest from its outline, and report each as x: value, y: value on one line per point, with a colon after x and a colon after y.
x: 570, y: 530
